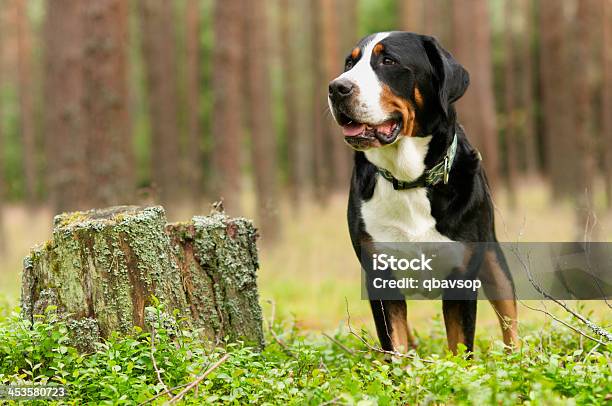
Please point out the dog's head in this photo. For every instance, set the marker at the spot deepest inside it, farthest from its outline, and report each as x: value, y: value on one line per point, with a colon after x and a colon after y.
x: 391, y: 81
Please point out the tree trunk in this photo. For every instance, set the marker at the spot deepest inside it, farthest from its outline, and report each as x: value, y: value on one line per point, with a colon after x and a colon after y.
x: 348, y: 16
x: 557, y: 103
x: 411, y: 15
x: 105, y: 103
x: 321, y: 171
x: 263, y: 145
x: 192, y: 167
x: 227, y: 110
x: 472, y: 48
x: 26, y: 108
x: 306, y: 87
x: 583, y: 91
x: 160, y: 56
x: 337, y: 153
x: 63, y: 88
x: 529, y: 135
x: 510, y: 133
x: 293, y: 135
x: 102, y: 267
x: 436, y: 15
x: 2, y: 230
x: 217, y: 258
x: 606, y: 97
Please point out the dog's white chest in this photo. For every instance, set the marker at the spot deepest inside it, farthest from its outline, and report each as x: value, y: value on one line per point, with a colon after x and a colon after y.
x: 400, y: 215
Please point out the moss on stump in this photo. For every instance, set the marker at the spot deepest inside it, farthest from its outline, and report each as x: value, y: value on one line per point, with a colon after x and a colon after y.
x: 102, y: 267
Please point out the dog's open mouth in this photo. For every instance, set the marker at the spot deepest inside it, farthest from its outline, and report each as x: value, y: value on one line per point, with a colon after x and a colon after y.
x: 363, y: 135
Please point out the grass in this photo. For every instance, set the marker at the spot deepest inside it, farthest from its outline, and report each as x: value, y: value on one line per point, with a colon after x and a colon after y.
x: 552, y: 367
x: 309, y: 276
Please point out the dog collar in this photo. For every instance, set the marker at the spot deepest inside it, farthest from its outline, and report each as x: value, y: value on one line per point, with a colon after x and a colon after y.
x: 430, y: 177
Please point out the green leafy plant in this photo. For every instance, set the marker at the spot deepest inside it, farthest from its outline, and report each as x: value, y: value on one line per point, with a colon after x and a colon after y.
x: 552, y: 367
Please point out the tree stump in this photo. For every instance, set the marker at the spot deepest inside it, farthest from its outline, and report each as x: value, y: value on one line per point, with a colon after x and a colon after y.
x: 102, y: 267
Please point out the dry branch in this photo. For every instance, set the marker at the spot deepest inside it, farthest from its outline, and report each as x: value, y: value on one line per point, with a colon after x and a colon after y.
x: 182, y: 393
x: 592, y: 326
x: 377, y: 349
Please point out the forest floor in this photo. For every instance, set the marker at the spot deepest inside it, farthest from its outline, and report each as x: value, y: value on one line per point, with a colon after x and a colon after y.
x: 311, y: 272
x: 310, y: 277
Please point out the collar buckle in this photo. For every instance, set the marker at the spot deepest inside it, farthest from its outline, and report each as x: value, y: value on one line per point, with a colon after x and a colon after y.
x: 446, y: 170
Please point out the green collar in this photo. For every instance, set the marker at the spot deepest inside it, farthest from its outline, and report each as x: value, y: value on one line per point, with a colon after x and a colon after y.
x: 430, y: 177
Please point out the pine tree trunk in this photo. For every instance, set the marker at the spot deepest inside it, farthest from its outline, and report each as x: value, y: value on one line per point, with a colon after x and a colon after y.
x: 472, y: 48
x: 227, y: 111
x: 26, y: 108
x: 263, y: 145
x: 411, y: 15
x: 192, y: 170
x: 2, y: 230
x: 293, y: 135
x: 105, y: 103
x: 530, y: 141
x: 306, y: 88
x: 321, y: 173
x: 583, y: 89
x: 434, y: 20
x: 102, y: 267
x: 606, y: 97
x: 337, y: 153
x: 557, y: 103
x: 510, y: 133
x: 63, y: 90
x: 348, y: 16
x: 160, y: 56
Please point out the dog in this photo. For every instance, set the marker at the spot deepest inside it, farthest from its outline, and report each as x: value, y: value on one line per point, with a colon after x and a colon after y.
x: 416, y: 178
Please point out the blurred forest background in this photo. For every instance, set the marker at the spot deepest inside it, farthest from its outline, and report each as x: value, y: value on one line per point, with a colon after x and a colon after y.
x: 182, y: 102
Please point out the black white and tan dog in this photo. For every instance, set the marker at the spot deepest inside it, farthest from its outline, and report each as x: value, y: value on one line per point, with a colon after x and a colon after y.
x: 416, y: 178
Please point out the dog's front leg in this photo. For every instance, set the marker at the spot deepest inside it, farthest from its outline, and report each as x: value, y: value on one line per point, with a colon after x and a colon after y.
x: 392, y: 325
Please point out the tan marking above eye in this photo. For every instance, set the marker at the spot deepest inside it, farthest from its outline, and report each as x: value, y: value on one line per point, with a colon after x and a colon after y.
x: 355, y: 53
x: 378, y: 48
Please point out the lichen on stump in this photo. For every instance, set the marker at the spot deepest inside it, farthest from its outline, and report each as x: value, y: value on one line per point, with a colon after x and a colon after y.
x: 217, y: 256
x: 102, y: 267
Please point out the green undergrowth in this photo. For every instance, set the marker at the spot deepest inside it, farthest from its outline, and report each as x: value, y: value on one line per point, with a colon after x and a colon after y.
x: 554, y: 366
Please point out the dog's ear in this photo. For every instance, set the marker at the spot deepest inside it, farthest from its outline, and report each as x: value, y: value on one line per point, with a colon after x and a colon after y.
x: 452, y: 78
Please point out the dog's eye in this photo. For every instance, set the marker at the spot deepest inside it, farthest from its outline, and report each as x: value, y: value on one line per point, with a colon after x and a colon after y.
x: 388, y: 61
x: 349, y: 64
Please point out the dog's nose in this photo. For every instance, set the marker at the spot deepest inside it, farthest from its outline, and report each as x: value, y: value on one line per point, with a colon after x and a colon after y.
x: 341, y: 88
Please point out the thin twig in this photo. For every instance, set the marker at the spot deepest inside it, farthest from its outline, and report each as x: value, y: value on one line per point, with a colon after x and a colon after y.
x: 376, y: 349
x: 157, y: 371
x: 555, y: 318
x: 182, y: 393
x: 166, y: 392
x: 588, y: 238
x: 592, y: 326
x: 595, y: 347
x: 339, y: 344
x: 276, y: 338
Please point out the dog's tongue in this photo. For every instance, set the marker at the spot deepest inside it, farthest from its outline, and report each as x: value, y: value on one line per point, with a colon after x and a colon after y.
x: 353, y: 129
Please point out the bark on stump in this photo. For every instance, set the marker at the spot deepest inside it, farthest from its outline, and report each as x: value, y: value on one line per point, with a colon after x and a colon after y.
x: 102, y: 267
